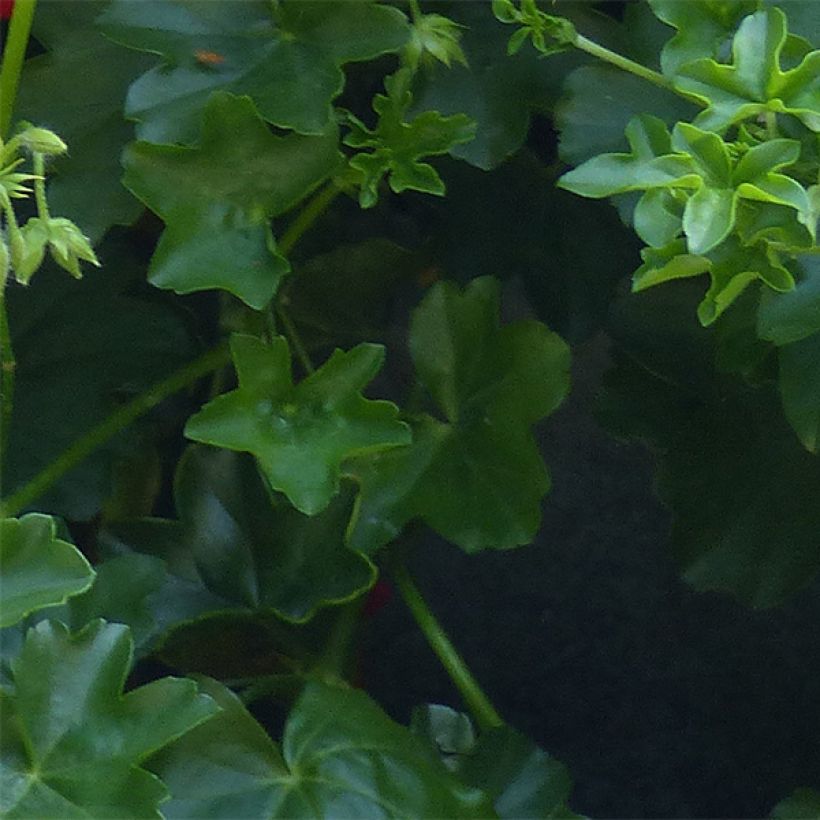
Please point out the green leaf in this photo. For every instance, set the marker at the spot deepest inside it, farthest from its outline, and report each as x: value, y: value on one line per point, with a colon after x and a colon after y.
x: 477, y: 477
x: 738, y: 482
x: 78, y: 87
x: 789, y: 317
x: 702, y: 27
x: 667, y: 263
x: 340, y: 756
x: 217, y: 199
x: 800, y: 388
x: 754, y: 83
x: 649, y: 164
x: 398, y: 144
x: 37, y: 569
x: 287, y: 60
x: 300, y: 434
x: 73, y: 744
x: 248, y: 551
x: 802, y: 804
x: 82, y: 348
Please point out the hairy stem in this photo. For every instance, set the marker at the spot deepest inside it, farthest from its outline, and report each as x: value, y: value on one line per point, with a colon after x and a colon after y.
x: 478, y: 703
x: 14, y: 54
x: 40, y: 186
x: 119, y: 419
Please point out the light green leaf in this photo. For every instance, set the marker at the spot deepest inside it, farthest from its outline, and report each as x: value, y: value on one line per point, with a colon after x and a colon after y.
x: 667, y: 263
x: 37, y: 569
x: 340, y: 756
x: 708, y: 218
x: 789, y: 317
x: 754, y: 83
x: 78, y: 87
x: 398, y: 144
x: 73, y: 744
x: 301, y: 433
x: 799, y: 382
x: 217, y: 199
x: 477, y: 477
x: 702, y: 27
x: 658, y: 217
x: 649, y: 164
x: 287, y: 58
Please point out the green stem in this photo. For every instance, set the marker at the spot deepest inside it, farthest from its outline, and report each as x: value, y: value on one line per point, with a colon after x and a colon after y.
x: 119, y: 419
x: 40, y: 186
x: 415, y: 10
x: 14, y: 54
x: 625, y: 64
x: 295, y: 340
x: 335, y: 658
x: 7, y: 367
x: 307, y: 216
x: 477, y: 702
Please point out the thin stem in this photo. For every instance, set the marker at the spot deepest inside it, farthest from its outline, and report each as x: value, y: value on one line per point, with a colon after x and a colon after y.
x: 7, y: 368
x: 14, y: 54
x: 295, y: 340
x: 625, y: 64
x: 40, y: 186
x: 307, y: 216
x: 415, y: 10
x: 119, y: 419
x: 477, y: 702
x: 335, y: 657
x: 771, y: 125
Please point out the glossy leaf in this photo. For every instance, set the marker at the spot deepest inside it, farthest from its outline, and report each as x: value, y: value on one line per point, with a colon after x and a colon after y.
x: 217, y: 199
x: 477, y: 477
x: 37, y: 569
x: 702, y: 27
x: 754, y: 82
x: 82, y: 348
x: 88, y: 115
x: 736, y: 478
x: 800, y: 388
x: 73, y: 743
x: 287, y: 59
x: 340, y: 756
x: 300, y: 434
x: 794, y: 315
x: 398, y: 144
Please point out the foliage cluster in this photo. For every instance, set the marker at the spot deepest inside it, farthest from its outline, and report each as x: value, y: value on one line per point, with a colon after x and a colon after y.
x: 206, y: 460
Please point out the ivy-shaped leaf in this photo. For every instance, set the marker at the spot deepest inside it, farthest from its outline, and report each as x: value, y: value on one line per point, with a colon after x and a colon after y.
x: 398, y: 145
x: 37, y: 569
x: 87, y: 113
x: 73, y: 743
x: 287, y: 58
x: 702, y: 26
x: 243, y: 550
x: 476, y: 477
x: 217, y: 199
x: 754, y: 83
x: 300, y: 434
x: 340, y: 756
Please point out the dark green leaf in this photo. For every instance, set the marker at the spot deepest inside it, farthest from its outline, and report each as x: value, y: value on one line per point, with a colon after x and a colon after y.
x: 286, y: 59
x: 301, y: 433
x: 794, y: 315
x: 477, y: 478
x: 803, y: 804
x: 73, y: 744
x: 217, y: 199
x: 754, y: 82
x: 78, y: 88
x: 340, y: 756
x: 800, y: 388
x: 737, y: 480
x: 81, y: 348
x: 37, y: 569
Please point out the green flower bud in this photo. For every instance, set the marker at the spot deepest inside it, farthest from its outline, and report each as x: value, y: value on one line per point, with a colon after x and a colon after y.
x: 42, y: 141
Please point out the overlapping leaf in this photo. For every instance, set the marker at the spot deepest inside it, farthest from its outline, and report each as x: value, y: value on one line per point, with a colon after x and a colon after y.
x: 72, y: 744
x: 287, y: 58
x: 37, y: 569
x: 300, y: 434
x: 754, y: 82
x: 340, y: 756
x: 81, y: 349
x: 217, y: 199
x: 738, y: 482
x: 87, y: 113
x: 800, y: 388
x: 477, y: 476
x: 789, y: 317
x: 398, y: 144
